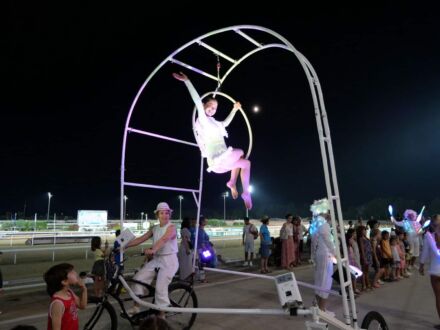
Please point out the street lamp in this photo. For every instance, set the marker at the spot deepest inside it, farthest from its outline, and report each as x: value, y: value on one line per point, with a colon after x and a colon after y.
x: 250, y: 190
x: 224, y: 195
x: 49, y: 195
x: 180, y: 201
x: 125, y: 205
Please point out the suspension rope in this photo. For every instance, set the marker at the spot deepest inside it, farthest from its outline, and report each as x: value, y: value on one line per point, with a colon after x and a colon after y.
x: 218, y: 76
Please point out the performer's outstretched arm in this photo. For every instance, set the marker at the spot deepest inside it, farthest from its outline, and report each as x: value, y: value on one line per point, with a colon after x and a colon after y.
x: 194, y: 95
x: 231, y: 115
x: 397, y: 223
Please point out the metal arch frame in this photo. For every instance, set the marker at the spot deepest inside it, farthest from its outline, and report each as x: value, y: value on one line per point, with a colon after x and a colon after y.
x: 230, y: 98
x: 350, y: 315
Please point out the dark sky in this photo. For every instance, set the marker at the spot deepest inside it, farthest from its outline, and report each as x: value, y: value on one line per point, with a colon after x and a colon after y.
x: 70, y: 75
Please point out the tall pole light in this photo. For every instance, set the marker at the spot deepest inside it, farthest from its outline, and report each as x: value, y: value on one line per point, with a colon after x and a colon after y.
x: 125, y: 206
x: 250, y: 189
x: 49, y: 195
x: 180, y: 202
x: 225, y: 194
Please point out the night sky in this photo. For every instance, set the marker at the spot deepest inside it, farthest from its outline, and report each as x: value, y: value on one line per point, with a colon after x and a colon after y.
x: 70, y: 75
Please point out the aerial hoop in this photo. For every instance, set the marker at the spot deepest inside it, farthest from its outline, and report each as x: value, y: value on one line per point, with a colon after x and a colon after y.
x: 215, y: 93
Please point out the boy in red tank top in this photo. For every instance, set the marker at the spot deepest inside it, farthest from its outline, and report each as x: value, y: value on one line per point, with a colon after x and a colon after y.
x: 63, y: 309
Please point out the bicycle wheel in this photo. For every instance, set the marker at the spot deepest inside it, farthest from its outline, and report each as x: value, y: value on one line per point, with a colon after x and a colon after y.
x: 103, y: 315
x: 181, y: 295
x: 374, y: 321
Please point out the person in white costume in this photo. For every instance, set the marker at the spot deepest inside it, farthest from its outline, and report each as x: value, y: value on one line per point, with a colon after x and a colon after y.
x: 211, y: 134
x: 431, y: 254
x: 412, y: 226
x: 164, y: 252
x: 323, y: 250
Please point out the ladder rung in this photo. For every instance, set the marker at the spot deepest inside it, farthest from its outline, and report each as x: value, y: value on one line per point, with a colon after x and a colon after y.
x: 133, y: 130
x: 133, y: 184
x: 244, y: 35
x: 203, y: 73
x: 217, y: 52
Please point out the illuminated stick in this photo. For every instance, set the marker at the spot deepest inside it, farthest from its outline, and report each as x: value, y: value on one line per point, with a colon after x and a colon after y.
x: 390, y: 211
x: 419, y: 217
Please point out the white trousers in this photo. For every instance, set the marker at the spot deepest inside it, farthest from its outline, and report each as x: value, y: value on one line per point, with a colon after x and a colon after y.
x: 323, y: 274
x: 168, y: 265
x: 414, y: 245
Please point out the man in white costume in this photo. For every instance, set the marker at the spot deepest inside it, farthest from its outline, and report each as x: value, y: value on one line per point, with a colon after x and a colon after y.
x: 323, y: 250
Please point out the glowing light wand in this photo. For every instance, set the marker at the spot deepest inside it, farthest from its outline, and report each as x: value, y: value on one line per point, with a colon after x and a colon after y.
x: 390, y: 211
x: 419, y: 217
x: 425, y: 225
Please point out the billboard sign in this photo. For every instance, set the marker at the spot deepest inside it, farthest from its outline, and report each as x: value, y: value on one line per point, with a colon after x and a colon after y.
x: 92, y: 218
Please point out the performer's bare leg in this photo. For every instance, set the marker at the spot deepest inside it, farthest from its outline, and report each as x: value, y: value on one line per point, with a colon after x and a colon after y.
x: 244, y: 175
x: 236, y: 165
x: 231, y: 184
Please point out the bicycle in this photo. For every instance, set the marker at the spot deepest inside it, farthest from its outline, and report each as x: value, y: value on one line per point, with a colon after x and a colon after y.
x: 181, y: 294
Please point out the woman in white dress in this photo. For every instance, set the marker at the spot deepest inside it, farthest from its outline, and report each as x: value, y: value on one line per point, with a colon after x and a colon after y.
x: 431, y: 254
x: 211, y: 134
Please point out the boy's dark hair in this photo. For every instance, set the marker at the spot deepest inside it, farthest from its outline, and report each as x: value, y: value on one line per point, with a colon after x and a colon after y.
x: 95, y: 243
x: 288, y: 215
x: 246, y: 218
x: 117, y: 232
x: 55, y: 275
x: 154, y: 323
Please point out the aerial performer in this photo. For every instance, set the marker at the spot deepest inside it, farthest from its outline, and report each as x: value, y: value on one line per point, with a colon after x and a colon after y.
x: 211, y: 134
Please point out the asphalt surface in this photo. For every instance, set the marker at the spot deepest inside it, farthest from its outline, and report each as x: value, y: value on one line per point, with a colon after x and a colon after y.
x: 406, y: 304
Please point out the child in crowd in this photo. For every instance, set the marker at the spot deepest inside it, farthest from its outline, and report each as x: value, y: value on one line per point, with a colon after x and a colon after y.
x: 366, y: 256
x: 408, y: 255
x: 396, y: 258
x: 350, y: 238
x: 63, y: 309
x: 401, y: 253
x: 378, y: 263
x: 98, y: 269
x: 387, y: 256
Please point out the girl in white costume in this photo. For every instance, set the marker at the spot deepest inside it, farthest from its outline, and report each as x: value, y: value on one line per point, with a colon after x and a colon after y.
x: 211, y: 134
x: 323, y: 250
x: 164, y: 252
x: 431, y: 254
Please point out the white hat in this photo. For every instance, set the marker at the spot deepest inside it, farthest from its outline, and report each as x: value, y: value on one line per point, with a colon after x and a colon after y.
x: 162, y: 206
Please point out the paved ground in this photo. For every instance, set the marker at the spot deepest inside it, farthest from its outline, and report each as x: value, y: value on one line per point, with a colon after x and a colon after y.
x: 407, y: 304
